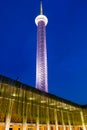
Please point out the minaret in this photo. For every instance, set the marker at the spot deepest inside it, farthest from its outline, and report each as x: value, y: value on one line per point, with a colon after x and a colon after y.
x: 41, y: 57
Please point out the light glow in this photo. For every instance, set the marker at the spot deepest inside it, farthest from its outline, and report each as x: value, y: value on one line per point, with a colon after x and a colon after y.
x: 41, y: 18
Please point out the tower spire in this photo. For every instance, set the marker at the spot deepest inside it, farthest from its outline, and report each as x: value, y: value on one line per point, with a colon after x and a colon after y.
x: 41, y: 8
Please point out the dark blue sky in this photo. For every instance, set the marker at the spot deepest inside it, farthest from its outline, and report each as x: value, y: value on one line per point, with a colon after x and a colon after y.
x: 66, y: 44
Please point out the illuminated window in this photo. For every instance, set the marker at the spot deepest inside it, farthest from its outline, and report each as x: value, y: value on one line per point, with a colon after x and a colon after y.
x: 30, y: 129
x: 51, y: 128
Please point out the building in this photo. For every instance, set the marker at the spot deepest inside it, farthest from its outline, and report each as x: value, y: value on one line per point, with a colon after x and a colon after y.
x: 41, y: 57
x: 26, y: 108
x: 23, y: 107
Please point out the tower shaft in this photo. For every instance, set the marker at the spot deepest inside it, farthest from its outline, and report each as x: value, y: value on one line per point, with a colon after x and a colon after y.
x: 41, y: 57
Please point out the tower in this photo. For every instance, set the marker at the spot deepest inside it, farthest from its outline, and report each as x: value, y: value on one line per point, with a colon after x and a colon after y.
x: 41, y: 56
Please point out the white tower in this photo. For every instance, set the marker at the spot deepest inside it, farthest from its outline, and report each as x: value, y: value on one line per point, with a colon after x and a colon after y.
x: 41, y: 57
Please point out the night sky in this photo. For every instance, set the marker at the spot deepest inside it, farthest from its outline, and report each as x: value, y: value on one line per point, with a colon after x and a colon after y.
x: 66, y: 44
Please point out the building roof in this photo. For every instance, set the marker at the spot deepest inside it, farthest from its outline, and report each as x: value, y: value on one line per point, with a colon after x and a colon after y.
x: 16, y: 83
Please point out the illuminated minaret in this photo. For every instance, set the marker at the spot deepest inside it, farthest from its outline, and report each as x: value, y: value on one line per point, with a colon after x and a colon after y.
x: 41, y: 57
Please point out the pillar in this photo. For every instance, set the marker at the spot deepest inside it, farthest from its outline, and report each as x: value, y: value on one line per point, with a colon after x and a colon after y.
x: 69, y: 122
x: 8, y: 116
x: 56, y: 122
x: 48, y: 125
x: 24, y: 123
x: 82, y: 119
x: 25, y: 107
x: 63, y: 120
x: 37, y: 120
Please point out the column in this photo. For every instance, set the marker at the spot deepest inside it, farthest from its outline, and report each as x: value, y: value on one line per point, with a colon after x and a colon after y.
x: 63, y: 120
x: 37, y: 121
x: 69, y: 121
x: 82, y: 119
x: 48, y: 125
x: 8, y: 116
x: 56, y: 122
x: 24, y: 123
x: 37, y: 125
x: 25, y: 107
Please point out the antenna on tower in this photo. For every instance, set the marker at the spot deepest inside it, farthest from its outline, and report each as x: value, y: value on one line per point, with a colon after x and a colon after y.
x: 41, y: 8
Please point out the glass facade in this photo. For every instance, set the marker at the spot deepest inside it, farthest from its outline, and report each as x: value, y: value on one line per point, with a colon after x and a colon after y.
x: 25, y: 108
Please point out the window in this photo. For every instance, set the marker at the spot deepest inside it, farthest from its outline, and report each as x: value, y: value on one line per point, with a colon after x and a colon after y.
x: 30, y: 129
x: 10, y: 128
x: 51, y: 128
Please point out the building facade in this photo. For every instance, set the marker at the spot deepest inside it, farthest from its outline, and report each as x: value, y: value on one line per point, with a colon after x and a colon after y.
x: 26, y: 108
